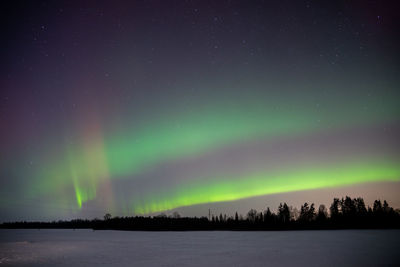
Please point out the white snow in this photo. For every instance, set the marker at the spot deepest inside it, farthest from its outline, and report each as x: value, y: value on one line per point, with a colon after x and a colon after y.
x: 214, y: 248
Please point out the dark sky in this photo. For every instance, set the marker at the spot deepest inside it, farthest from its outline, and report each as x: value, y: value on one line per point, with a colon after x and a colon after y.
x: 140, y: 107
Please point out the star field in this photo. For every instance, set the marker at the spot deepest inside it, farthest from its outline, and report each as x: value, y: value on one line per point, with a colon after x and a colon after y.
x: 155, y: 106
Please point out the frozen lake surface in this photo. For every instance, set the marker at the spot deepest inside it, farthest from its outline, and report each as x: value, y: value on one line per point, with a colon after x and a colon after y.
x: 215, y: 248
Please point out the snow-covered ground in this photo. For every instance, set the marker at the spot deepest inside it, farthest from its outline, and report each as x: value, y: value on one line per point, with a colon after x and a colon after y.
x: 119, y: 248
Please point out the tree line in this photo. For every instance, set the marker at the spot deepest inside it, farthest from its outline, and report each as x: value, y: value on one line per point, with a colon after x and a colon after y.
x: 345, y: 213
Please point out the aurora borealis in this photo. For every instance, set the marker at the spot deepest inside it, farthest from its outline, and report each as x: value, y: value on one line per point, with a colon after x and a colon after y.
x: 151, y: 106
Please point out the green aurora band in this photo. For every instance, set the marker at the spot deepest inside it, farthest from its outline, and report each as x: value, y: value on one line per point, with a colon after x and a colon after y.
x: 131, y: 152
x: 230, y: 188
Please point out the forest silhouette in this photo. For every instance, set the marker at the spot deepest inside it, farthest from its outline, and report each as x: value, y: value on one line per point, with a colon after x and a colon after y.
x: 345, y: 213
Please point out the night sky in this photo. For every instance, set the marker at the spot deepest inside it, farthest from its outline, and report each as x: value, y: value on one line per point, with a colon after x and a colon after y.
x: 142, y: 107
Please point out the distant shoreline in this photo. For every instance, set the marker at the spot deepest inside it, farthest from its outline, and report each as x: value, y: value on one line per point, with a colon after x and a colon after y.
x: 345, y: 213
x: 191, y: 229
x: 208, y: 230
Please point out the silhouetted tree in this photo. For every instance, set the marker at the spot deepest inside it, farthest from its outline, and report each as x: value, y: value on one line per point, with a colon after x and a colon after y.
x: 236, y: 217
x: 283, y: 213
x: 348, y: 207
x: 251, y: 215
x: 386, y: 208
x: 268, y: 218
x: 377, y: 207
x: 334, y: 209
x: 107, y: 216
x: 259, y: 217
x: 361, y: 210
x: 176, y: 215
x: 322, y: 213
x: 307, y: 213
